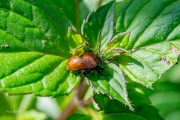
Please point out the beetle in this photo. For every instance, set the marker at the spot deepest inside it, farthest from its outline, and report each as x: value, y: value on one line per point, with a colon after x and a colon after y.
x: 85, y: 64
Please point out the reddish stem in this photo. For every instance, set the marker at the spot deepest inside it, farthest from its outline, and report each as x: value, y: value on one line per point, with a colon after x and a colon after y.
x: 77, y: 100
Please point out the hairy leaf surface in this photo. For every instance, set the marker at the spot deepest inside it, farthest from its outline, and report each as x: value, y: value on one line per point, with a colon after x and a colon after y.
x: 154, y: 41
x: 33, y: 49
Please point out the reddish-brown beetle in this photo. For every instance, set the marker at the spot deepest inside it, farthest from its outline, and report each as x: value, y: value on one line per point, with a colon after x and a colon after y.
x: 86, y: 63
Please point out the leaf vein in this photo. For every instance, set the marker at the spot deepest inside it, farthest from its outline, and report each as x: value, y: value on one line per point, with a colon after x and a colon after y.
x: 35, y: 25
x: 143, y: 61
x: 22, y: 67
x: 152, y: 22
x: 137, y: 14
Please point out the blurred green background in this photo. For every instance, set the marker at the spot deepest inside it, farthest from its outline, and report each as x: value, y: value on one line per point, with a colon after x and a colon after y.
x: 165, y: 96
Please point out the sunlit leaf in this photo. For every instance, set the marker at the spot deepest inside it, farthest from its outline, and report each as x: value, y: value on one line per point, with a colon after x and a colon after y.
x: 33, y: 49
x: 98, y: 27
x: 113, y: 84
x: 135, y: 94
x: 154, y: 41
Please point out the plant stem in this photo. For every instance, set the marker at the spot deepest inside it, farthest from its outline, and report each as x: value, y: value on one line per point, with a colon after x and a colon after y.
x: 99, y: 3
x: 77, y: 12
x: 91, y: 112
x: 77, y: 100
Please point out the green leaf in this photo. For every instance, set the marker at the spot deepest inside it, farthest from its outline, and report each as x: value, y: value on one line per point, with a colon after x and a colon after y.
x: 33, y: 26
x: 119, y: 5
x: 44, y: 75
x: 78, y: 44
x: 34, y: 50
x: 113, y: 84
x: 146, y: 112
x: 79, y: 117
x: 119, y: 41
x: 68, y: 8
x: 115, y: 46
x: 154, y: 43
x: 147, y: 64
x: 75, y: 39
x: 122, y: 116
x: 98, y: 27
x: 135, y: 94
x: 172, y: 75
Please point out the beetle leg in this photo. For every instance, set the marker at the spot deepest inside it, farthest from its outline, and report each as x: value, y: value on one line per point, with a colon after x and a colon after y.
x: 100, y: 70
x: 77, y: 73
x: 83, y: 72
x: 92, y: 72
